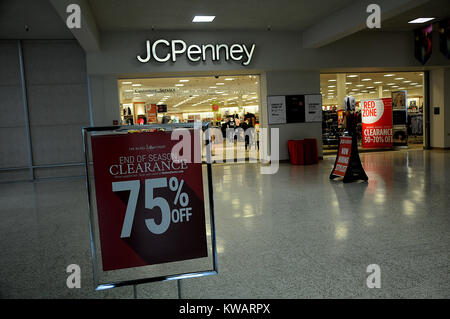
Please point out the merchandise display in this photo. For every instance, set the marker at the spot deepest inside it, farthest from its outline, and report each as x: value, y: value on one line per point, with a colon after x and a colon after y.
x: 404, y: 90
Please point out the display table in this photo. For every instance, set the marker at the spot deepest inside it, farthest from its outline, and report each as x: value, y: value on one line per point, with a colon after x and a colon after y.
x: 296, y: 152
x: 311, y: 152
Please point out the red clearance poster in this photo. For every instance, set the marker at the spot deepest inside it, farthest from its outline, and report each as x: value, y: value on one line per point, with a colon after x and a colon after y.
x: 345, y: 151
x: 152, y: 116
x: 150, y: 208
x: 377, y: 123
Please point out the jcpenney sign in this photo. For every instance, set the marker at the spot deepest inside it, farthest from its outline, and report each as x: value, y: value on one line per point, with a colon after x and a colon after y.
x: 163, y: 51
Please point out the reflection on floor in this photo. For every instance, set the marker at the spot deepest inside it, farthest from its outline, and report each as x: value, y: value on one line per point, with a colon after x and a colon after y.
x: 333, y: 149
x: 290, y: 235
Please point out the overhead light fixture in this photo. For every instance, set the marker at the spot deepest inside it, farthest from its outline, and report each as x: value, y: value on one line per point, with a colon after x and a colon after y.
x: 378, y: 82
x: 184, y: 80
x: 389, y: 74
x: 331, y: 86
x: 229, y: 79
x: 348, y: 82
x: 179, y: 84
x: 332, y: 80
x: 360, y: 85
x: 352, y: 75
x: 128, y: 90
x: 220, y: 83
x: 421, y: 20
x: 127, y: 83
x: 137, y: 85
x: 366, y: 79
x: 213, y: 87
x: 203, y: 19
x: 399, y: 78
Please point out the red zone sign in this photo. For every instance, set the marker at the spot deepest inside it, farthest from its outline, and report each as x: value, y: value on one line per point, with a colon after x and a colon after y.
x: 150, y: 208
x: 377, y: 123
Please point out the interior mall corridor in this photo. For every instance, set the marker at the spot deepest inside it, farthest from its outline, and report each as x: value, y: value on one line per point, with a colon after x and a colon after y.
x: 295, y: 234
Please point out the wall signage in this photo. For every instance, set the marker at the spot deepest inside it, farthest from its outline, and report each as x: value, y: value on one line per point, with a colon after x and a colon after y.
x: 164, y: 51
x: 284, y: 109
x: 277, y: 109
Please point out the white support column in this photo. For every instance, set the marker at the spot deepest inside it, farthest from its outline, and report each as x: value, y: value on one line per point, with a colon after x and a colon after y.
x: 341, y: 91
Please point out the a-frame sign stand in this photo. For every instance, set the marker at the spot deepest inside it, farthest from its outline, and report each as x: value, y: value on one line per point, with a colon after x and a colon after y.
x: 348, y: 164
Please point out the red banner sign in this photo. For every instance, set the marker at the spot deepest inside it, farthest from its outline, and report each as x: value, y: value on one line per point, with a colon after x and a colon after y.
x: 150, y: 208
x: 345, y: 151
x: 377, y: 123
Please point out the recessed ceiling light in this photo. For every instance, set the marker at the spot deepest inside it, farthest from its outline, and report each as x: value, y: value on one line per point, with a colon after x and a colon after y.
x: 391, y: 84
x: 127, y: 83
x: 331, y: 86
x: 213, y: 87
x: 399, y: 78
x: 332, y: 80
x: 220, y: 83
x: 378, y: 82
x: 229, y: 79
x: 421, y: 20
x: 352, y: 75
x: 359, y: 85
x: 203, y: 18
x: 389, y: 74
x: 348, y: 82
x: 149, y: 95
x: 407, y: 81
x: 179, y: 84
x: 366, y: 79
x: 184, y: 80
x: 128, y: 90
x: 137, y: 85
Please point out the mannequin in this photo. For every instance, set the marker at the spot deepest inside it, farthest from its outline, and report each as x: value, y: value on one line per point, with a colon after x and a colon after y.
x: 350, y: 116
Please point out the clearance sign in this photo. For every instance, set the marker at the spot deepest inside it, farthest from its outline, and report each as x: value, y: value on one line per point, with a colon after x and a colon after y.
x: 150, y: 206
x: 377, y: 123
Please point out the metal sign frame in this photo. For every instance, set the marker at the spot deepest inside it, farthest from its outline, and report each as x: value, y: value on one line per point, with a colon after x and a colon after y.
x: 86, y: 134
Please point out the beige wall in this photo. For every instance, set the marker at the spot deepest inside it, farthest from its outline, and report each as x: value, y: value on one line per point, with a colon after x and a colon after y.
x: 440, y: 97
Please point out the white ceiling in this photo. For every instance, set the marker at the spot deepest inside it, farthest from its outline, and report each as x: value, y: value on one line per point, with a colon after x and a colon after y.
x: 114, y: 15
x: 365, y: 85
x: 39, y: 15
x: 192, y: 94
x: 439, y: 9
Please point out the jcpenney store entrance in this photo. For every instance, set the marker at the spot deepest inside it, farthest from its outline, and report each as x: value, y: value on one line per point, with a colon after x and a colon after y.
x: 230, y: 104
x: 389, y: 106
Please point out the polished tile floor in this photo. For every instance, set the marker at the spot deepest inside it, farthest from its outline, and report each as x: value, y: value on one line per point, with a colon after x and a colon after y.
x: 290, y: 235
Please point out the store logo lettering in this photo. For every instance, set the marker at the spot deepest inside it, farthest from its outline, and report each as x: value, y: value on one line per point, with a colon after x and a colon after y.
x: 195, y: 53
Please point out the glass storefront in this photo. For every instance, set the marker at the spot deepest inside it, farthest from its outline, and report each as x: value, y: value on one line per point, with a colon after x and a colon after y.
x: 403, y: 90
